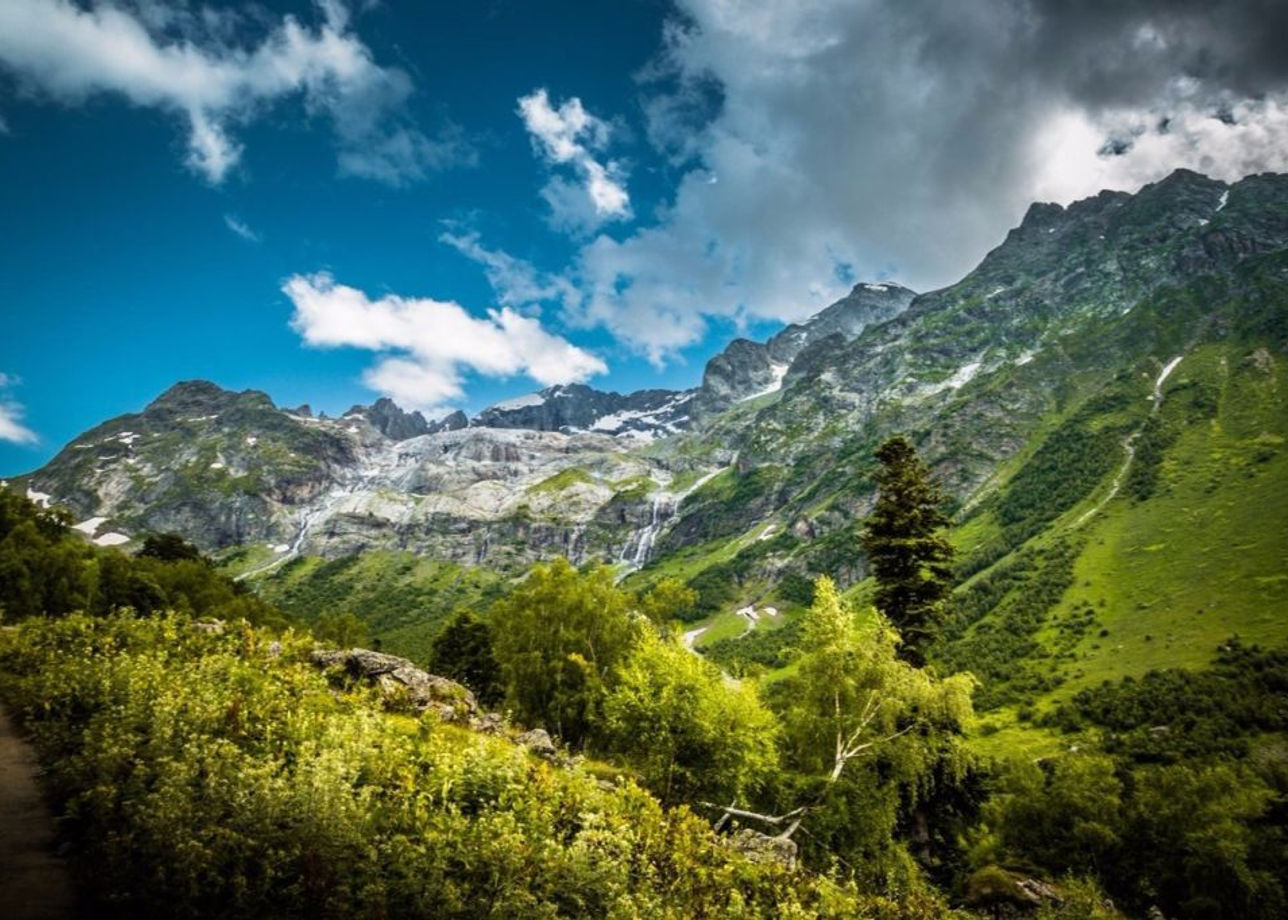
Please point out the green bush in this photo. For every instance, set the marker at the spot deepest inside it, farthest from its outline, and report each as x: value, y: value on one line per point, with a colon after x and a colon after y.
x: 219, y: 775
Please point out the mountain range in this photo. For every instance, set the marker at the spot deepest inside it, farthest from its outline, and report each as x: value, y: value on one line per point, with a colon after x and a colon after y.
x: 1111, y: 374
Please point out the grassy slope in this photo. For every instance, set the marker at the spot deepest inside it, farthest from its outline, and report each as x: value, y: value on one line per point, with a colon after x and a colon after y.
x: 1173, y: 576
x: 403, y: 598
x: 1207, y: 555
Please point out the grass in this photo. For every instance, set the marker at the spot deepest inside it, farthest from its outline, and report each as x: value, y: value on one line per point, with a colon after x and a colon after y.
x: 1170, y: 578
x: 403, y: 598
x: 564, y: 479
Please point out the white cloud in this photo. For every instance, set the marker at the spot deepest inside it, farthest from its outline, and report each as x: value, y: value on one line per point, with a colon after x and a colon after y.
x: 241, y: 228
x: 189, y: 65
x: 571, y: 136
x: 426, y: 346
x: 516, y: 283
x: 903, y: 140
x: 11, y: 414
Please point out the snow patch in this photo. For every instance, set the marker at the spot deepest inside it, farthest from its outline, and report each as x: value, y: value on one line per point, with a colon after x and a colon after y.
x: 962, y: 376
x: 128, y: 438
x: 1203, y: 222
x: 993, y: 294
x: 40, y: 498
x: 217, y: 465
x: 779, y: 371
x: 1225, y: 199
x: 281, y: 548
x: 521, y: 402
x: 111, y: 538
x: 89, y: 526
x: 251, y: 441
x: 1162, y: 377
x: 1026, y: 357
x: 879, y: 286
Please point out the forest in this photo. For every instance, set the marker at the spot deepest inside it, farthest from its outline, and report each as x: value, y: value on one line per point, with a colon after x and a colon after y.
x: 202, y: 764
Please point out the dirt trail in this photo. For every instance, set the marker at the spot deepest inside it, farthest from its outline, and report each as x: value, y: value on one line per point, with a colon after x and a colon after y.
x: 34, y: 883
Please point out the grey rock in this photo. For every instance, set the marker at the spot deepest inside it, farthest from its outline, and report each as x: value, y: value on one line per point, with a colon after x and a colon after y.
x: 538, y: 742
x: 401, y: 679
x: 391, y: 421
x: 763, y: 848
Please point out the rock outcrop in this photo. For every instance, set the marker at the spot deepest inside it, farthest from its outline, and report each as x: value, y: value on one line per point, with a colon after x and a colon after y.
x: 402, y: 683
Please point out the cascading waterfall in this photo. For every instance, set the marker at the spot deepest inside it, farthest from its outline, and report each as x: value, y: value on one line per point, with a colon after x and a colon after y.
x: 643, y: 544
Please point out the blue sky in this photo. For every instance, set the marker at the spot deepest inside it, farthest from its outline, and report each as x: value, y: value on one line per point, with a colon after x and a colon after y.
x: 454, y: 203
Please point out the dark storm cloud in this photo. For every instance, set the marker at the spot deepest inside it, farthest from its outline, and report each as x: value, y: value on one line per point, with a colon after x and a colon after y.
x: 903, y: 139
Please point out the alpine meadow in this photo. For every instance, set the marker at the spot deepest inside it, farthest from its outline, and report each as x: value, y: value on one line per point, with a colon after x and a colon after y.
x: 955, y: 585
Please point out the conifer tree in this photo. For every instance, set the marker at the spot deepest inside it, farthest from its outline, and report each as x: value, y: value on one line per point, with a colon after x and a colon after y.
x: 904, y: 542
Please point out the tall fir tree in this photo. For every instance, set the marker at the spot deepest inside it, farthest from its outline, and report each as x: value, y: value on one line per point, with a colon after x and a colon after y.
x: 904, y: 542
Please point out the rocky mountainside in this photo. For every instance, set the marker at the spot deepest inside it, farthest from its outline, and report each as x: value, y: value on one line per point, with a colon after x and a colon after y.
x: 557, y: 471
x: 762, y: 470
x: 1069, y: 301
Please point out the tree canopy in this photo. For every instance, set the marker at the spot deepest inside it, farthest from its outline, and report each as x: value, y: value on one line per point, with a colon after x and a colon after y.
x: 909, y: 555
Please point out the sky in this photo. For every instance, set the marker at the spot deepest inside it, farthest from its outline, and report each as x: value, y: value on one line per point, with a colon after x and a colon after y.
x: 455, y: 203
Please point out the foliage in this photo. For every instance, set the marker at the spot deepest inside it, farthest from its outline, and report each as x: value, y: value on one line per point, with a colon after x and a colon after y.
x: 1064, y: 814
x: 1174, y: 715
x: 220, y: 775
x: 760, y: 649
x: 1002, y: 649
x: 903, y: 539
x: 669, y: 599
x: 46, y: 568
x: 558, y: 638
x: 463, y: 652
x: 863, y: 732
x: 342, y: 629
x: 691, y: 735
x: 403, y: 599
x: 168, y: 547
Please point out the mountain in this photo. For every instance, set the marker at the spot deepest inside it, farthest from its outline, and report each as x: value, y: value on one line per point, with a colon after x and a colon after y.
x: 552, y: 472
x: 644, y: 414
x: 747, y: 369
x: 1099, y: 369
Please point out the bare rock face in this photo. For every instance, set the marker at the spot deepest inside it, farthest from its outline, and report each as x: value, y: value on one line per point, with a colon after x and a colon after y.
x: 402, y: 683
x: 763, y: 848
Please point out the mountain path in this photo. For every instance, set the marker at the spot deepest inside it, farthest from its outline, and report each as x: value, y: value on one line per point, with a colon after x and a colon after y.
x: 35, y: 884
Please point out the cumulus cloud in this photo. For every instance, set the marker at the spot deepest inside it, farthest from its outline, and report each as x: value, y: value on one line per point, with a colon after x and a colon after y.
x: 241, y: 228
x: 12, y: 428
x: 193, y: 65
x: 571, y: 136
x: 822, y: 140
x: 426, y: 346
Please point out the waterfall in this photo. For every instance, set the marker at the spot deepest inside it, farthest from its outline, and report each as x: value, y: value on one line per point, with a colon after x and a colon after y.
x: 643, y: 545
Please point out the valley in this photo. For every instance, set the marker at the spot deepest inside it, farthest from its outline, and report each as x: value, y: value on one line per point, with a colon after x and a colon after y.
x: 1104, y: 402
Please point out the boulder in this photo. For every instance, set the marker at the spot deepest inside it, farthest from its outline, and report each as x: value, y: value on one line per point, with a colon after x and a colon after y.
x: 538, y: 742
x: 763, y: 848
x: 400, y: 680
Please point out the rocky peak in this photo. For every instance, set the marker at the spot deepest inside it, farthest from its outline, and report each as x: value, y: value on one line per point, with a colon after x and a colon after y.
x: 199, y: 397
x: 577, y: 407
x: 454, y: 422
x: 391, y: 421
x: 746, y: 369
